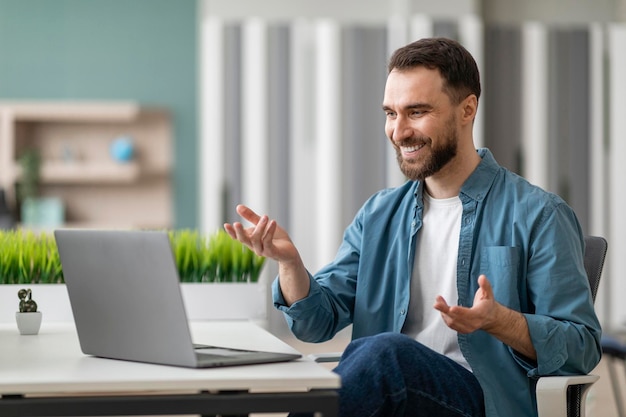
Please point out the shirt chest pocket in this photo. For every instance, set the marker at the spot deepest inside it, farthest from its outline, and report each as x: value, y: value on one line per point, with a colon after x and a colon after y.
x: 501, y: 265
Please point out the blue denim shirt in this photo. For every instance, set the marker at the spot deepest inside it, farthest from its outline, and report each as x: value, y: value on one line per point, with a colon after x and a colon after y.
x: 527, y: 242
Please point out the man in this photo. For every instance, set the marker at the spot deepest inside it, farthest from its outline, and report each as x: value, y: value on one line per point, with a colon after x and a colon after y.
x: 464, y: 285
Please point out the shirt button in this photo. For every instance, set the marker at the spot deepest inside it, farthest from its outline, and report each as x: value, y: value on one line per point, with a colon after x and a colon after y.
x: 463, y: 261
x: 413, y: 224
x: 402, y: 312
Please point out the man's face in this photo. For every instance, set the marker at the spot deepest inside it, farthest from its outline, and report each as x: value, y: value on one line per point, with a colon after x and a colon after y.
x: 420, y: 121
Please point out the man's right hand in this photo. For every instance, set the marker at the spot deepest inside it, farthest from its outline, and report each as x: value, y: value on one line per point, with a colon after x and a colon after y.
x: 265, y: 237
x: 268, y: 239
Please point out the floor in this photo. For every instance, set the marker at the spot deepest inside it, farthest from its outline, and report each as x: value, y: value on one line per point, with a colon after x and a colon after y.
x: 601, y: 402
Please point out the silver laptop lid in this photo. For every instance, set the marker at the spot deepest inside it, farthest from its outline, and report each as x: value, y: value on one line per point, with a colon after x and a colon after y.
x: 125, y: 295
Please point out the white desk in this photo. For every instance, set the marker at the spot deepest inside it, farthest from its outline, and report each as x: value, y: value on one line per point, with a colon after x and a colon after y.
x: 47, y: 374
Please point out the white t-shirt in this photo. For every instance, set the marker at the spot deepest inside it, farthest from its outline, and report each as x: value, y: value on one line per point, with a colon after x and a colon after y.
x: 434, y: 273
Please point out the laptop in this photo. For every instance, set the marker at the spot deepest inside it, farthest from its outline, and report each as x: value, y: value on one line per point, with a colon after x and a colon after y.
x: 125, y: 295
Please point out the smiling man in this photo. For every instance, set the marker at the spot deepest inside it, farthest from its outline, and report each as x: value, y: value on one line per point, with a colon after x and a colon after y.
x: 464, y: 285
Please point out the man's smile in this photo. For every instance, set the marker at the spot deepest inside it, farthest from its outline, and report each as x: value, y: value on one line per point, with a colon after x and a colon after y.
x: 411, y: 151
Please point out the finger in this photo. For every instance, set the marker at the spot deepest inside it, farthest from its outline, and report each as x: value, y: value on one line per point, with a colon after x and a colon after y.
x: 441, y: 305
x: 256, y: 237
x: 269, y: 230
x: 485, y: 285
x: 457, y: 319
x: 268, y: 235
x: 248, y: 214
x: 230, y: 230
x: 241, y: 234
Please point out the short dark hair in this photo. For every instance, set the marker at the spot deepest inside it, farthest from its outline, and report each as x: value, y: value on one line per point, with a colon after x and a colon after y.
x: 455, y: 64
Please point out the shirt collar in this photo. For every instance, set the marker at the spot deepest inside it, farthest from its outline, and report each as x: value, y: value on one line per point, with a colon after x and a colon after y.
x: 478, y: 183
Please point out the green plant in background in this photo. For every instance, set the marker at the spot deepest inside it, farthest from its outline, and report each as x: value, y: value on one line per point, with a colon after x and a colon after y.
x: 28, y: 186
x: 217, y: 258
x: 27, y: 257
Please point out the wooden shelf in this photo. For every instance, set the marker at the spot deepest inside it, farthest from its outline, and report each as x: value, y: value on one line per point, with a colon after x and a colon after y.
x: 71, y: 111
x: 80, y: 173
x: 102, y: 225
x: 94, y: 188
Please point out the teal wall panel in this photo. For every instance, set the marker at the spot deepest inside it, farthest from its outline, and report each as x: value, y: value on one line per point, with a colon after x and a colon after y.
x: 143, y: 50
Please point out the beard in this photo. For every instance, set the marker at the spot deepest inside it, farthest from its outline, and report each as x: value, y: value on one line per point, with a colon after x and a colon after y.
x: 439, y: 157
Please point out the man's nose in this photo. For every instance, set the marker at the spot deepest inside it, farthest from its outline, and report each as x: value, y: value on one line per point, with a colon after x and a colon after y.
x: 402, y: 130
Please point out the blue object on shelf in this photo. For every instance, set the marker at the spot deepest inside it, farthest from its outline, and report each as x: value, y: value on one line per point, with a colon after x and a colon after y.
x: 122, y: 149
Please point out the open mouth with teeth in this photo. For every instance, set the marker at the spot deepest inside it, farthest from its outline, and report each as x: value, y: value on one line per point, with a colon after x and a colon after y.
x: 411, y: 151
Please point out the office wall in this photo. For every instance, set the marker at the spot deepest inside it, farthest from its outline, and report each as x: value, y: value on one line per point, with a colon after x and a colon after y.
x: 143, y: 50
x: 559, y: 12
x: 361, y: 11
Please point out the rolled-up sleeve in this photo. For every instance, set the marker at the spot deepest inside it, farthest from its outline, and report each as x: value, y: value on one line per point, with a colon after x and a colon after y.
x: 564, y: 328
x: 311, y: 319
x: 563, y: 348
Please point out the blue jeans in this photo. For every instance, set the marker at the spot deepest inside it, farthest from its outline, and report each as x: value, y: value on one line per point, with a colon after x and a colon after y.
x: 391, y: 374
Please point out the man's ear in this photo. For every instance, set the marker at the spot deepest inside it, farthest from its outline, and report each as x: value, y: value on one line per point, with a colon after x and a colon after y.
x: 469, y: 107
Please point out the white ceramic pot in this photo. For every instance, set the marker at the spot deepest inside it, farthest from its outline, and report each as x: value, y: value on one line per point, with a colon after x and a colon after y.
x: 28, y: 323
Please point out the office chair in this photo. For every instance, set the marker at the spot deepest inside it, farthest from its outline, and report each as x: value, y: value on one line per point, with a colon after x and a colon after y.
x: 565, y: 396
x: 557, y: 396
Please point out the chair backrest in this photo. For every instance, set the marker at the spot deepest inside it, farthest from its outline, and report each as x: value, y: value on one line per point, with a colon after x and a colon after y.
x: 595, y: 252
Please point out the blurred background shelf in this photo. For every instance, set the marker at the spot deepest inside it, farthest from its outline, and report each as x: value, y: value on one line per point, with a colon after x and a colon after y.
x: 73, y: 140
x: 71, y: 111
x: 95, y: 173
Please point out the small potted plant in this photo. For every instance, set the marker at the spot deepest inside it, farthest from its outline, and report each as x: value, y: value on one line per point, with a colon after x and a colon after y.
x: 28, y: 318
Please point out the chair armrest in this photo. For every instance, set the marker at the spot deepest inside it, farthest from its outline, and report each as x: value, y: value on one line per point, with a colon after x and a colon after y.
x: 325, y: 357
x: 552, y: 393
